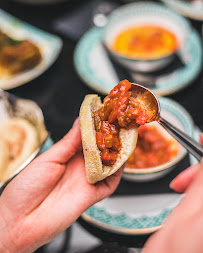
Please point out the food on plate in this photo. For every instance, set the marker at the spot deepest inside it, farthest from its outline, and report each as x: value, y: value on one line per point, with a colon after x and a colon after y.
x: 145, y: 42
x: 17, y: 56
x: 154, y: 147
x: 18, y: 140
x: 109, y: 130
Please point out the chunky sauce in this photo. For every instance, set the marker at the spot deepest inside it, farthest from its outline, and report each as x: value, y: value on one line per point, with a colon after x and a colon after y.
x: 120, y: 110
x: 145, y: 42
x: 152, y: 149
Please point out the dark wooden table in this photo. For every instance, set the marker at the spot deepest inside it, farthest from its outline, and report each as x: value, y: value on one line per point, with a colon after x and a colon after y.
x: 59, y: 91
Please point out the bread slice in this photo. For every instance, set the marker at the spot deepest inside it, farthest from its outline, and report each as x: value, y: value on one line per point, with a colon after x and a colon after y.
x: 95, y: 170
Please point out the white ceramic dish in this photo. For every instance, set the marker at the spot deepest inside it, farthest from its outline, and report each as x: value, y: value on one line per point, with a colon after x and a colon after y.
x: 50, y: 46
x: 190, y: 9
x: 178, y: 116
x: 139, y: 13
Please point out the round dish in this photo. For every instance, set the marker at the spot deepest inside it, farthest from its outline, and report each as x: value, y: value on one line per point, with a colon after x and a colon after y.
x: 177, y: 115
x: 96, y: 70
x: 49, y: 45
x: 188, y: 9
x: 141, y: 14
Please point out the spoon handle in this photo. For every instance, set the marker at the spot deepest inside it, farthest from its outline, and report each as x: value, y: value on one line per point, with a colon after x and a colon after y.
x: 187, y: 142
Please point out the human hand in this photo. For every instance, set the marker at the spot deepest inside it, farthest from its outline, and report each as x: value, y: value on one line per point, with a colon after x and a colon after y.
x: 48, y: 196
x: 182, y: 231
x: 183, y: 180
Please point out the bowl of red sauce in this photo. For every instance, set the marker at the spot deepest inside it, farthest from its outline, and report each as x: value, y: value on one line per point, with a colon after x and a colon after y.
x: 155, y: 155
x: 145, y: 36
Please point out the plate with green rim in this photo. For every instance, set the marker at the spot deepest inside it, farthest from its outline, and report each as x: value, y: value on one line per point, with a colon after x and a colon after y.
x: 190, y: 9
x: 134, y: 211
x: 96, y: 70
x: 50, y: 46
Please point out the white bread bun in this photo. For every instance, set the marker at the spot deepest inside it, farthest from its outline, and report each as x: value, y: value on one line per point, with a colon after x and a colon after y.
x: 95, y: 170
x: 22, y: 140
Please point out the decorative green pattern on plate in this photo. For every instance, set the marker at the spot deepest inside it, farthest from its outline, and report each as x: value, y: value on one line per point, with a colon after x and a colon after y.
x: 93, y: 76
x: 124, y: 221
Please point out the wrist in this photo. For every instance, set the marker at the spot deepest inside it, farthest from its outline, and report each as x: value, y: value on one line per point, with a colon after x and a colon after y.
x: 6, y: 244
x: 7, y: 226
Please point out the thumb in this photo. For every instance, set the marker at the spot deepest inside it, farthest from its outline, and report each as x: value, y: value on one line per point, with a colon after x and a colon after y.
x: 184, y: 179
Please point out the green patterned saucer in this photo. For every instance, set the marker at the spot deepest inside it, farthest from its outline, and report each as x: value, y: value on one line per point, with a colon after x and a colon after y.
x: 132, y: 215
x: 96, y: 70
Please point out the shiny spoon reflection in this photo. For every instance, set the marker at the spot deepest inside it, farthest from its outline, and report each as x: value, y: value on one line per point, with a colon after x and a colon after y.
x: 151, y: 103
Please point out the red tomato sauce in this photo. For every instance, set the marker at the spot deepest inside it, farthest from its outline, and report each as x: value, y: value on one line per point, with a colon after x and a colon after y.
x: 152, y: 148
x: 120, y: 110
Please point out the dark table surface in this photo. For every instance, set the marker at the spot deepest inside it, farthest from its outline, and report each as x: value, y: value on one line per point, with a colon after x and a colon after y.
x: 59, y: 92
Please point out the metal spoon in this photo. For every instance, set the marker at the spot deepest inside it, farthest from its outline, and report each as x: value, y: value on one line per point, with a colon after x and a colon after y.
x: 151, y: 103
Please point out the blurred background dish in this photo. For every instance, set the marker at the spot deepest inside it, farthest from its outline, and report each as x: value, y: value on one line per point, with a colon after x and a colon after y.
x: 132, y: 214
x: 191, y: 8
x: 144, y: 36
x: 22, y: 134
x: 40, y: 47
x: 41, y: 1
x: 98, y: 72
x: 179, y: 117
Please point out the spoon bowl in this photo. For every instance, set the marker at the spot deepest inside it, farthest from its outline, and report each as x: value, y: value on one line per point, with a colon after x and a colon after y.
x: 152, y: 105
x: 148, y: 100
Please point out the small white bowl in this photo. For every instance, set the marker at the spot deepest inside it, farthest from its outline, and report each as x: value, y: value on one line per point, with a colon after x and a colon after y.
x: 179, y: 117
x: 148, y: 13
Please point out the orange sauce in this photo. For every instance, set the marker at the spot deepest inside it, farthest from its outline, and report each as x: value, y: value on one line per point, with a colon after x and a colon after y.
x: 145, y: 42
x: 120, y: 110
x: 153, y: 148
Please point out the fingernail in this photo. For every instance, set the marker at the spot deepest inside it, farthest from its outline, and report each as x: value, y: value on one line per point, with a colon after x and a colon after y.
x: 76, y: 122
x: 171, y: 185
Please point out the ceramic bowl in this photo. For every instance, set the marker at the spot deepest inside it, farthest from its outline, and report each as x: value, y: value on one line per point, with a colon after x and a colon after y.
x: 148, y: 13
x: 178, y: 116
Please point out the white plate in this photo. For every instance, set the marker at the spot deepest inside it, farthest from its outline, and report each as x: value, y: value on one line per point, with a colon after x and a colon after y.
x: 50, y: 46
x: 191, y: 9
